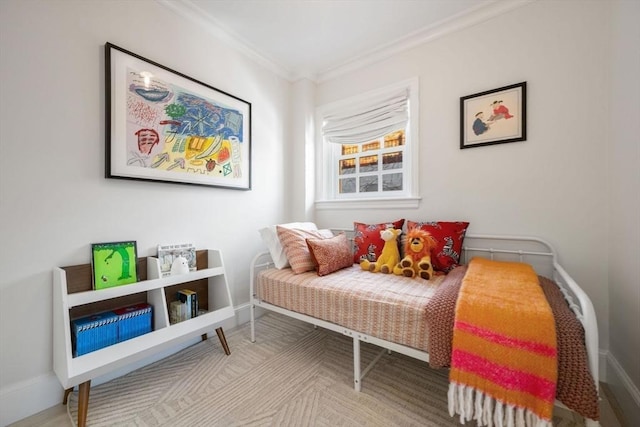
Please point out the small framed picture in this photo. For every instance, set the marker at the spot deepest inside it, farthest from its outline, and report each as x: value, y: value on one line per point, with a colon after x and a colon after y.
x: 114, y: 264
x: 168, y: 253
x: 494, y: 117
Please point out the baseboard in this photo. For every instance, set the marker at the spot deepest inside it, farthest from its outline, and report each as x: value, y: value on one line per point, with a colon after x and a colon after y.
x: 602, y: 365
x: 34, y: 395
x: 29, y: 397
x: 243, y: 314
x: 625, y: 391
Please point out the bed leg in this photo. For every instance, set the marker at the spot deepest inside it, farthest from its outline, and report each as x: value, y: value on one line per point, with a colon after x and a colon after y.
x: 356, y: 364
x: 588, y: 422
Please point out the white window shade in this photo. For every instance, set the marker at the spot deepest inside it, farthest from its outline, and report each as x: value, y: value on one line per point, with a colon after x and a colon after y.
x: 368, y: 122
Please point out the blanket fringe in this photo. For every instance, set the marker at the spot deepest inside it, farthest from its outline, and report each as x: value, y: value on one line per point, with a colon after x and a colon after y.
x: 471, y: 404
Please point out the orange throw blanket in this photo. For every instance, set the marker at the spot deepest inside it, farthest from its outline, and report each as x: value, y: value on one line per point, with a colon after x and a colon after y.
x: 504, y: 361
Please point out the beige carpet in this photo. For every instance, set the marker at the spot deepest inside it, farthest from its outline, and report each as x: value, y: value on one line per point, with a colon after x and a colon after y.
x: 293, y: 375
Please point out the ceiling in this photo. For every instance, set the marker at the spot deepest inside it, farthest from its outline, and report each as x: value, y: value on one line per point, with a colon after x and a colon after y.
x: 316, y: 39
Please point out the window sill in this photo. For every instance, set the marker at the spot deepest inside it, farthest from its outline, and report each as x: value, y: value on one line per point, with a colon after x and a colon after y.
x: 395, y: 203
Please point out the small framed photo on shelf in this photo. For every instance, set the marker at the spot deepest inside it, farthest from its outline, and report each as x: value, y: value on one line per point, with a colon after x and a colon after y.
x: 494, y: 117
x: 114, y: 264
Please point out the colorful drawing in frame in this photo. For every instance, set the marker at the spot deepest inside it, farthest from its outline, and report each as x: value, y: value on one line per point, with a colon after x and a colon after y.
x: 114, y: 264
x: 165, y: 126
x: 494, y: 117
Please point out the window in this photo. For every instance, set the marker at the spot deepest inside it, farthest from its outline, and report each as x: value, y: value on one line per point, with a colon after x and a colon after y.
x: 372, y: 167
x: 367, y: 149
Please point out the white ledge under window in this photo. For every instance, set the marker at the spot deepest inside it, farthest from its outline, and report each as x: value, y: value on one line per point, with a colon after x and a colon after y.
x: 390, y: 203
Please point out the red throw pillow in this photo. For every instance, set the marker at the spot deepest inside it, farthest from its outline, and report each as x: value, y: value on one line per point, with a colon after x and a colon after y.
x: 330, y: 254
x: 367, y: 243
x: 450, y: 236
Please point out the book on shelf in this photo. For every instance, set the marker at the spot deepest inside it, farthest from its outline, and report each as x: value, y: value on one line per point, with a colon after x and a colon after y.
x: 190, y: 298
x: 133, y: 321
x: 168, y: 253
x: 91, y: 333
x: 114, y: 264
x: 177, y: 312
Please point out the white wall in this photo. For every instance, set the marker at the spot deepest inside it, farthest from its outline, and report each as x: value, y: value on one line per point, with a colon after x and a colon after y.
x: 547, y: 186
x: 55, y: 200
x: 623, y: 371
x: 574, y: 182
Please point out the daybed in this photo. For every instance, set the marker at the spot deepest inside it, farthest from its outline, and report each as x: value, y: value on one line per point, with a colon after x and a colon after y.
x: 405, y: 314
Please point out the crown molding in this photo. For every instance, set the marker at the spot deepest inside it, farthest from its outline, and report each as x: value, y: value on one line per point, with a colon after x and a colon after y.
x: 460, y: 21
x: 193, y: 13
x: 439, y: 29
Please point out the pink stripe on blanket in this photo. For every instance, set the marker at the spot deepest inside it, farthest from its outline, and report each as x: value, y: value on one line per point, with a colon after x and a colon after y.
x: 510, y: 379
x: 507, y: 341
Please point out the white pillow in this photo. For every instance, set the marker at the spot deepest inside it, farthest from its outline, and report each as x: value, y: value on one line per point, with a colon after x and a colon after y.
x: 270, y: 238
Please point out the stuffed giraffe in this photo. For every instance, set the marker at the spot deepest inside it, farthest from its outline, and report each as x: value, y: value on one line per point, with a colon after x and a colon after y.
x: 390, y: 255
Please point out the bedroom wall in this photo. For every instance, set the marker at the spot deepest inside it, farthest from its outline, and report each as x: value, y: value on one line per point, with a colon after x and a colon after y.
x: 623, y: 370
x: 575, y: 181
x: 551, y: 185
x: 55, y: 200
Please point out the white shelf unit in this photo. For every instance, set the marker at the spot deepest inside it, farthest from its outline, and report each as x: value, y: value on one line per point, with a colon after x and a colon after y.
x: 73, y: 297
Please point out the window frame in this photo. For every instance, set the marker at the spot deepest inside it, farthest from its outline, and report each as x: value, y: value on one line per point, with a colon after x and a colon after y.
x: 328, y: 154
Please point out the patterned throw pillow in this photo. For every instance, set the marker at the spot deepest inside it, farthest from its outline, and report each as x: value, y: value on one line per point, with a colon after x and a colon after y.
x: 367, y: 243
x: 270, y: 238
x: 330, y: 254
x: 294, y: 243
x: 450, y: 236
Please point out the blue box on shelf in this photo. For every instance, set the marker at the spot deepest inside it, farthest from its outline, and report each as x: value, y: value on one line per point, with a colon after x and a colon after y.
x: 94, y: 332
x: 133, y: 321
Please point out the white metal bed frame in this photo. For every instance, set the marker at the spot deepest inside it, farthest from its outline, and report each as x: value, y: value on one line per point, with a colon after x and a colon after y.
x: 523, y: 249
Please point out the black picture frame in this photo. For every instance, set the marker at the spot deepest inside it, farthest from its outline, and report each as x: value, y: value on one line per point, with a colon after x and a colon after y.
x: 162, y: 125
x: 494, y: 116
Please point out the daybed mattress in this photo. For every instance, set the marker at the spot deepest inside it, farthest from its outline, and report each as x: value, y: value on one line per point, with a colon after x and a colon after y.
x: 392, y: 309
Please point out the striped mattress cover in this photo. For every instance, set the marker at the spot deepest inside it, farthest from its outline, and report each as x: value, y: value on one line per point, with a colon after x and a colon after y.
x: 392, y: 309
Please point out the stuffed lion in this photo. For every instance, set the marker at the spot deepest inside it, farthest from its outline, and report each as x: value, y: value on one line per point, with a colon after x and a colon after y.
x: 389, y: 256
x: 417, y: 260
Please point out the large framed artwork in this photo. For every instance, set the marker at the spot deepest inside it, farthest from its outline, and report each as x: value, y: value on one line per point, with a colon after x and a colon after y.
x: 162, y: 125
x: 494, y: 116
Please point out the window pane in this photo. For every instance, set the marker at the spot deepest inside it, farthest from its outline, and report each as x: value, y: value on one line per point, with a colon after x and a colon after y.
x: 368, y: 184
x: 392, y: 160
x: 349, y: 149
x: 347, y: 166
x: 347, y: 185
x: 370, y: 146
x: 368, y: 164
x: 392, y: 182
x: 394, y: 139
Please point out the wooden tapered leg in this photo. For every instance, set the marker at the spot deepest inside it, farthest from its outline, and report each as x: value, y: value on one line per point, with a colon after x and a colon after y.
x: 223, y: 341
x: 67, y: 392
x: 83, y: 403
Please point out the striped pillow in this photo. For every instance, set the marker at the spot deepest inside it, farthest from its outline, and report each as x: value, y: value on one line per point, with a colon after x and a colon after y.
x: 293, y: 241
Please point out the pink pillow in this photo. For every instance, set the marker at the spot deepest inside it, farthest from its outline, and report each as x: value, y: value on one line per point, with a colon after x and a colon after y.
x: 270, y: 237
x: 450, y: 236
x: 293, y: 241
x: 367, y: 242
x: 330, y: 254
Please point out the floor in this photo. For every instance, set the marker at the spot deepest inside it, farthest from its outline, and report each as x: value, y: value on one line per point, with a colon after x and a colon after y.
x: 57, y: 416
